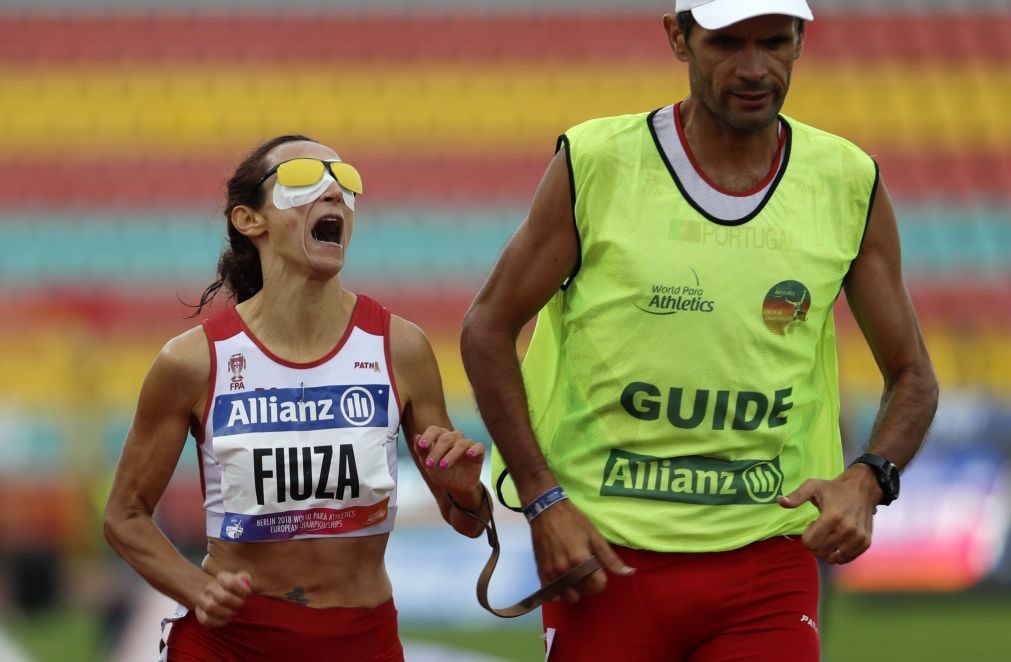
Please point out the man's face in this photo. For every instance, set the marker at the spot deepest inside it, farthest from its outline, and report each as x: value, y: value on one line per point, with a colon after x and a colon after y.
x: 741, y: 73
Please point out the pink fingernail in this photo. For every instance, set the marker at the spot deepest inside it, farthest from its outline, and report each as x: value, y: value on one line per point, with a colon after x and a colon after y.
x: 423, y: 443
x: 430, y: 463
x: 444, y: 464
x: 247, y: 581
x: 472, y: 452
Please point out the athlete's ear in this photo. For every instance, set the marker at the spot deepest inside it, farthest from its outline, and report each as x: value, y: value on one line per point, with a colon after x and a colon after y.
x: 248, y: 222
x: 678, y: 43
x: 801, y: 31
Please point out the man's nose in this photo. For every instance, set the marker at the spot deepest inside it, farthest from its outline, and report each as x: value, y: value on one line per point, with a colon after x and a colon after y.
x: 751, y: 64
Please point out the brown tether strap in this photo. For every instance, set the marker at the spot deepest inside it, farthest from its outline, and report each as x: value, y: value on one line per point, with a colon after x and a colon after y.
x: 535, y: 599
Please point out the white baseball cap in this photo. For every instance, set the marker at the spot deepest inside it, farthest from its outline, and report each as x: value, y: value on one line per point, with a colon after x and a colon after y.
x: 718, y: 14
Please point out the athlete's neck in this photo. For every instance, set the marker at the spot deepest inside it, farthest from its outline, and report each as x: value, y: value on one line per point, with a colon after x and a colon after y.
x: 734, y: 160
x: 299, y: 321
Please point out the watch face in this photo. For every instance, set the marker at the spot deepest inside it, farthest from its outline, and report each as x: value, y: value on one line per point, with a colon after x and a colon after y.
x: 893, y: 482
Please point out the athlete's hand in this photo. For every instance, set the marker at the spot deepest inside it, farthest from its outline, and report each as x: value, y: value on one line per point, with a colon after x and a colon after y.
x: 451, y: 461
x: 843, y: 529
x: 222, y: 597
x: 563, y: 538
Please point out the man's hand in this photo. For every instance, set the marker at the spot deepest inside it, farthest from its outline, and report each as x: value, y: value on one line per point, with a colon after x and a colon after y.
x: 222, y: 597
x: 842, y: 531
x: 564, y: 538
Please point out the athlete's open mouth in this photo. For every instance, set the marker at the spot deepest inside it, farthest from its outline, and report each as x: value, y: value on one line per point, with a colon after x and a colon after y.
x: 328, y: 229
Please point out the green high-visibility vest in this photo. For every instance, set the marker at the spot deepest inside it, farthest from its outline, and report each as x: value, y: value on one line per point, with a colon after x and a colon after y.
x: 687, y: 373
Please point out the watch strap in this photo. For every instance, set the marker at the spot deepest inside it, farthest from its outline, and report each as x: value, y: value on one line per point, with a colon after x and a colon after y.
x: 883, y: 469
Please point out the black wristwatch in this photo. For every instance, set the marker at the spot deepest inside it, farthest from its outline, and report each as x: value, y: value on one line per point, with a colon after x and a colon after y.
x: 886, y: 473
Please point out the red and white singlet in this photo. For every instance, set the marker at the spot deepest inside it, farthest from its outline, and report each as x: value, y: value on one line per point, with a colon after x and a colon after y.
x: 300, y: 450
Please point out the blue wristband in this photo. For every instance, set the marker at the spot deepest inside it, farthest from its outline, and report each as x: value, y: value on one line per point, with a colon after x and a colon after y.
x: 533, y: 510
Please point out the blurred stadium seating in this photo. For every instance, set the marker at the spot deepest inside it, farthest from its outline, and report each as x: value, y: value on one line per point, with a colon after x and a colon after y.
x: 119, y: 123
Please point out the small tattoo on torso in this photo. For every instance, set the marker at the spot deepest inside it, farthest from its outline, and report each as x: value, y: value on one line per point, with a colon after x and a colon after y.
x: 297, y: 596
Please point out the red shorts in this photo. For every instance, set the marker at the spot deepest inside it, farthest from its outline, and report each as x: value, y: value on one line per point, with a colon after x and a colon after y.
x: 269, y: 629
x: 756, y: 603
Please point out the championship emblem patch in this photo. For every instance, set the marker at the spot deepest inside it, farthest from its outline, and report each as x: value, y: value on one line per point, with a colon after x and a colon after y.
x: 786, y: 306
x: 236, y: 364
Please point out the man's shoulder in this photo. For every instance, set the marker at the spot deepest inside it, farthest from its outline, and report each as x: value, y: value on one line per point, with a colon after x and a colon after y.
x: 826, y: 152
x: 609, y: 126
x: 805, y: 133
x: 602, y: 137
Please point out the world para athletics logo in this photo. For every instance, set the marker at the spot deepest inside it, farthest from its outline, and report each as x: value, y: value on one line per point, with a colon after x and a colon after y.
x: 786, y: 306
x: 680, y: 295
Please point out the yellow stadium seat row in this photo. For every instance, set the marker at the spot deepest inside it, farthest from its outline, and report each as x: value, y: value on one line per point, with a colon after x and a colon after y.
x: 509, y: 107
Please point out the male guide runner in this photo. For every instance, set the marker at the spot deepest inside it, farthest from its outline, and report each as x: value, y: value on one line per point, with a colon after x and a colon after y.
x: 677, y: 412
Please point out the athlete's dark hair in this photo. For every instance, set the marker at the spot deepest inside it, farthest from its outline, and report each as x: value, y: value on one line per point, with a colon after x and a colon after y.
x: 239, y: 270
x: 686, y: 21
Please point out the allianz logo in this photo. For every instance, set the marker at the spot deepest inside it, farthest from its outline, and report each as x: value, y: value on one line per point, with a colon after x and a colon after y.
x: 357, y: 406
x: 694, y: 479
x: 267, y: 409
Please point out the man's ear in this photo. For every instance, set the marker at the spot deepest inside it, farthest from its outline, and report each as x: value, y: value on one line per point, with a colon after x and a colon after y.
x: 801, y: 31
x: 678, y: 43
x: 248, y: 222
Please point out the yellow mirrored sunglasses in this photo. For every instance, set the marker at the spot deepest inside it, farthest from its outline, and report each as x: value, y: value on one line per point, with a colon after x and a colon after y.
x: 306, y: 172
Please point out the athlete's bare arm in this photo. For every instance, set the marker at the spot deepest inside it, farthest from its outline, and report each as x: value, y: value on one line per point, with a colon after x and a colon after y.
x: 880, y: 303
x: 449, y: 462
x: 171, y: 397
x: 879, y: 300
x: 533, y: 266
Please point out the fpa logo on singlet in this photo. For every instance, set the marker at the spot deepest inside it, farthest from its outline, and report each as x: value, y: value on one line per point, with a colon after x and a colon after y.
x: 297, y: 409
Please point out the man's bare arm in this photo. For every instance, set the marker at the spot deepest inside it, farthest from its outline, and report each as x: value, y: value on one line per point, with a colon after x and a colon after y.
x: 533, y: 266
x: 879, y: 300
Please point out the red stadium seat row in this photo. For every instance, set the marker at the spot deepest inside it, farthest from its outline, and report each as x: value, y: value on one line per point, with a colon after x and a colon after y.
x: 446, y: 179
x: 180, y: 34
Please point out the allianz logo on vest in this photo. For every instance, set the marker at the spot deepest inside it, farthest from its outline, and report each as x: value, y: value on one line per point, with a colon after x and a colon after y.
x: 296, y: 409
x: 743, y: 410
x: 693, y: 479
x: 684, y: 294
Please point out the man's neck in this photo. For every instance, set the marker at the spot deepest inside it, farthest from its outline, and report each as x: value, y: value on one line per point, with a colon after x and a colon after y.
x: 733, y: 159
